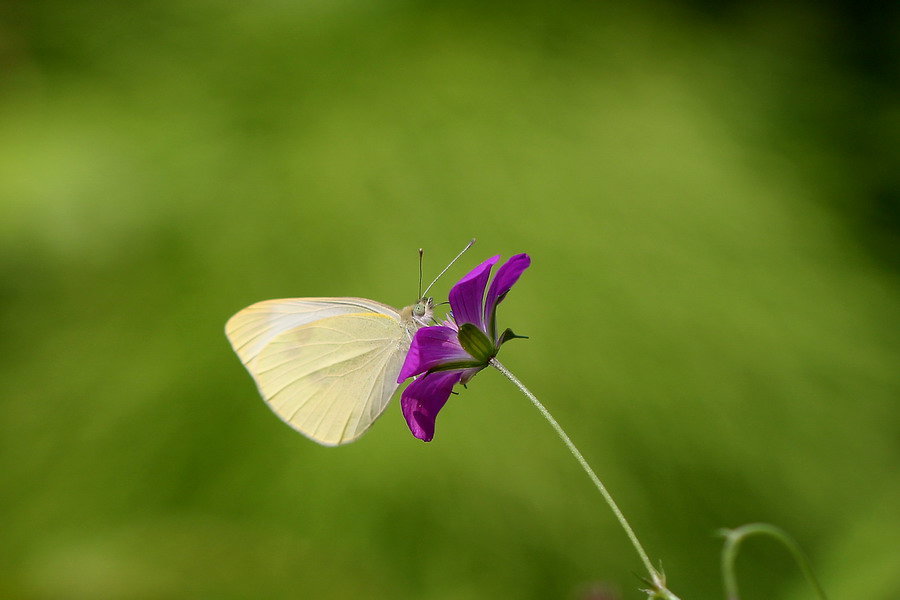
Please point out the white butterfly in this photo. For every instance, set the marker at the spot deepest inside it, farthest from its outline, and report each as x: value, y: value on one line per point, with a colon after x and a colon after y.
x: 327, y: 366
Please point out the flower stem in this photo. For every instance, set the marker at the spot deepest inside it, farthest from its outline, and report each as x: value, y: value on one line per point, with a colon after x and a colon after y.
x: 657, y: 580
x: 733, y: 539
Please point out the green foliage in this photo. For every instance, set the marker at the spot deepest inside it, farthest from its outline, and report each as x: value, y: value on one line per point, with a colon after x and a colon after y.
x: 711, y: 309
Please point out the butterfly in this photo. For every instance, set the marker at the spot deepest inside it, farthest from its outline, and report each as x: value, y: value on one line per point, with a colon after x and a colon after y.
x: 327, y: 366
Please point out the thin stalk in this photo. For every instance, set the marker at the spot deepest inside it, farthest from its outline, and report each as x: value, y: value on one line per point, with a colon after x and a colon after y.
x: 733, y: 539
x: 656, y: 578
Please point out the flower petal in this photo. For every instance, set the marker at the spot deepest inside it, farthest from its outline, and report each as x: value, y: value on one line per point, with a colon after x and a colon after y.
x: 424, y: 398
x: 467, y: 296
x: 431, y: 347
x: 468, y: 374
x: 506, y: 277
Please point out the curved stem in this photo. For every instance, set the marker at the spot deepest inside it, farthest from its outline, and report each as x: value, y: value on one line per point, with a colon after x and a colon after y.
x: 656, y: 578
x: 733, y: 539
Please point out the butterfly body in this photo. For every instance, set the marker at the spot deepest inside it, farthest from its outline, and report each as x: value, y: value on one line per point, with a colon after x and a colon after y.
x: 326, y: 366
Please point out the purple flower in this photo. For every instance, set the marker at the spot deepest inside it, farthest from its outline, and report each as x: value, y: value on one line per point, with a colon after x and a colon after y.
x: 444, y: 355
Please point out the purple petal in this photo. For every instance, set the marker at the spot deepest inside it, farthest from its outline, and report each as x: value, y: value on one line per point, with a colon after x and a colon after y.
x: 468, y: 374
x: 467, y: 296
x: 506, y: 277
x: 424, y: 398
x: 431, y: 347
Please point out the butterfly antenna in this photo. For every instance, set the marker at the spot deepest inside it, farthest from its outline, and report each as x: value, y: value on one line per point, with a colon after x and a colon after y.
x: 421, y: 252
x: 463, y: 251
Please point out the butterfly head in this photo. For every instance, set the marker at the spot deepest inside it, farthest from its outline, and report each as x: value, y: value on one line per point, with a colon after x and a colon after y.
x: 423, y: 311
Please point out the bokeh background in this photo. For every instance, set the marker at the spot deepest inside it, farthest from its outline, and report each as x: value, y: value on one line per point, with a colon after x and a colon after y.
x: 709, y: 192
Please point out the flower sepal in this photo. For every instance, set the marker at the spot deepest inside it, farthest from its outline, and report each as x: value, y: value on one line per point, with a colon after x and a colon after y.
x: 476, y: 343
x: 455, y: 366
x: 509, y: 335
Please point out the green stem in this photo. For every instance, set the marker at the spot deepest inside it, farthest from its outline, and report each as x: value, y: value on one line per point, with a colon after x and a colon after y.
x: 656, y: 578
x: 733, y: 539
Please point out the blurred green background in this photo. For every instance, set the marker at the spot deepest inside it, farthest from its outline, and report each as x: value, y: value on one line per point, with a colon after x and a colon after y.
x: 709, y: 193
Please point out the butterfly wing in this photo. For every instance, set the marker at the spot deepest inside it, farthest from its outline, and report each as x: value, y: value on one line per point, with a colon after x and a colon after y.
x: 250, y: 330
x: 325, y: 366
